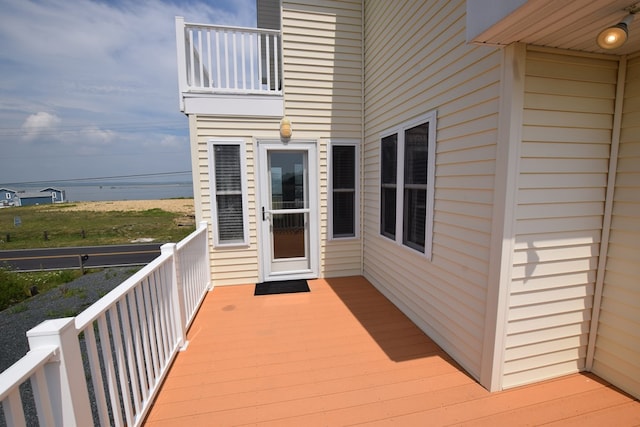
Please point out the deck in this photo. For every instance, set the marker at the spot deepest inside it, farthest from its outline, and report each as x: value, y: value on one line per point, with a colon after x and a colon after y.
x: 344, y: 355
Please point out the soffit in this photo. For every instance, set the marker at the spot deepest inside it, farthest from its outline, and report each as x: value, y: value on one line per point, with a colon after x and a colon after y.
x: 567, y: 24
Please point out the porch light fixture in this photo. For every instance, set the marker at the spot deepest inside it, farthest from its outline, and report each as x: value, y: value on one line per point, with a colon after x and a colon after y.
x: 285, y: 128
x: 615, y: 36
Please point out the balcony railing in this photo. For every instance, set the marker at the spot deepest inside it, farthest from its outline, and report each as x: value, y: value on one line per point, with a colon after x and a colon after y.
x: 126, y: 341
x: 223, y: 60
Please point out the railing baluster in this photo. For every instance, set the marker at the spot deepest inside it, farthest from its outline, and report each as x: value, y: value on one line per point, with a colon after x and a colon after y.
x: 244, y: 67
x: 251, y: 64
x: 110, y: 370
x: 218, y: 59
x: 200, y: 60
x: 226, y: 57
x: 122, y: 366
x: 191, y: 68
x: 42, y: 398
x: 268, y: 61
x: 129, y: 352
x: 96, y: 374
x: 209, y: 53
x: 152, y: 336
x: 137, y: 344
x: 234, y: 56
x: 276, y: 71
x: 259, y: 62
x: 144, y: 337
x: 13, y: 409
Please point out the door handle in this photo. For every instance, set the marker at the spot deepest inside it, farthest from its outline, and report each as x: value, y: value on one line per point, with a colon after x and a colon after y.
x: 264, y: 218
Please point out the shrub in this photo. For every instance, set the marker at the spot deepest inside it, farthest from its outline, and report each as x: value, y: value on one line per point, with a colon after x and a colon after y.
x: 12, y: 289
x: 15, y: 287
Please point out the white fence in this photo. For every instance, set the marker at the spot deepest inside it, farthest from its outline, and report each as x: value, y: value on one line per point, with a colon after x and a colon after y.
x: 219, y: 59
x: 126, y: 342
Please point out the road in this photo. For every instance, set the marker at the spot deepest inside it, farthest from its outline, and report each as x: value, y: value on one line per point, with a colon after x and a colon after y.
x: 94, y: 256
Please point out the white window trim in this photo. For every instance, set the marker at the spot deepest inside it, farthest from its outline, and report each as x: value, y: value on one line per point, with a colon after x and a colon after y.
x: 212, y: 186
x: 429, y: 117
x: 356, y: 213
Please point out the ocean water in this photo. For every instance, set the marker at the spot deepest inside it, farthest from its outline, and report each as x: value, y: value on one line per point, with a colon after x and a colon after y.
x: 111, y: 191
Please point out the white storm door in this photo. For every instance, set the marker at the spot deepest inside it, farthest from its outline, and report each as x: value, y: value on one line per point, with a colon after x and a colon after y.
x: 288, y: 212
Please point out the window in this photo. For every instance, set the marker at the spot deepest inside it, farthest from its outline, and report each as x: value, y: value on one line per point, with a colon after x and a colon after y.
x: 407, y: 162
x: 228, y: 192
x: 344, y: 196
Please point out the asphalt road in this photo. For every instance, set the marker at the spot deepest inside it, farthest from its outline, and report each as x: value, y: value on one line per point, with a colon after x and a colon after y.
x: 89, y: 256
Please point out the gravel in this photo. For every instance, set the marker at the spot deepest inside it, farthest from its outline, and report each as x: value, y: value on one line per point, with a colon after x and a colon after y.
x: 64, y: 301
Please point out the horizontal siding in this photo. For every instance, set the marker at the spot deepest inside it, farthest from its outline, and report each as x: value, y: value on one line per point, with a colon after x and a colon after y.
x: 617, y: 354
x: 566, y: 138
x: 322, y: 68
x: 416, y: 61
x: 232, y: 266
x: 322, y: 53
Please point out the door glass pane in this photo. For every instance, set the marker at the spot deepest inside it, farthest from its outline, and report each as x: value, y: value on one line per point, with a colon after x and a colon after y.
x: 287, y: 180
x: 288, y: 235
x: 288, y: 192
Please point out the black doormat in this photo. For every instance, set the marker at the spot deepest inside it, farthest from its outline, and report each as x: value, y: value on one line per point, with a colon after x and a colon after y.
x: 285, y: 287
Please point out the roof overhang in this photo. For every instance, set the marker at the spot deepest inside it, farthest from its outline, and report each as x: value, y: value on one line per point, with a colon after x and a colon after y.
x: 568, y: 24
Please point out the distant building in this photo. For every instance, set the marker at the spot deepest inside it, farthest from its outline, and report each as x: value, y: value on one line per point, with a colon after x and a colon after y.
x: 45, y: 196
x: 57, y: 195
x: 6, y: 197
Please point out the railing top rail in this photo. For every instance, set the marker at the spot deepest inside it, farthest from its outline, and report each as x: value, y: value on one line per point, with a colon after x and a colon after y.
x: 231, y: 27
x: 95, y: 310
x: 20, y: 371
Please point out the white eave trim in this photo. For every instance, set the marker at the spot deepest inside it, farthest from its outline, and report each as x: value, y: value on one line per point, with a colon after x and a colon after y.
x: 233, y: 105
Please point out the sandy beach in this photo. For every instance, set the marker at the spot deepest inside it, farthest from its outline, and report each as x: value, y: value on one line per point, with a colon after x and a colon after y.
x: 183, y: 206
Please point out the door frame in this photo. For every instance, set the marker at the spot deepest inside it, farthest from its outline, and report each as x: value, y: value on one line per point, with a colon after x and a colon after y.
x: 263, y: 146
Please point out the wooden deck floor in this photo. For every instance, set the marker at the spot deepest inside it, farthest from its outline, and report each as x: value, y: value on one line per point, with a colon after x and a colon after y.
x: 344, y: 355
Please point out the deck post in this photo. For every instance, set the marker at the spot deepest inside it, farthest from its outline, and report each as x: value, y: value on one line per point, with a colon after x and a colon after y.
x: 65, y: 379
x: 177, y: 294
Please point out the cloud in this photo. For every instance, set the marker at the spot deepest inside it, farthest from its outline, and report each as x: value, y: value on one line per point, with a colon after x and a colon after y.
x: 39, y: 123
x: 96, y: 77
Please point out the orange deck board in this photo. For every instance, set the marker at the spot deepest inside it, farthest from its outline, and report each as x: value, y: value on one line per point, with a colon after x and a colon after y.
x: 342, y: 354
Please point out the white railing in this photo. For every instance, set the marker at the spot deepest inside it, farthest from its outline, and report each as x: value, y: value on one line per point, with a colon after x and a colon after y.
x: 126, y: 342
x: 217, y: 59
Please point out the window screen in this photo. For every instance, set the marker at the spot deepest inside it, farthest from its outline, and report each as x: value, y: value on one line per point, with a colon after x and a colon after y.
x: 344, y: 190
x: 416, y: 144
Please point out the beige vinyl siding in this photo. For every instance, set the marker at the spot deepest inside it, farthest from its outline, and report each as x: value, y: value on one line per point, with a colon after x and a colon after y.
x: 566, y: 138
x: 322, y: 54
x: 617, y: 354
x: 417, y: 61
x: 322, y: 68
x: 232, y: 265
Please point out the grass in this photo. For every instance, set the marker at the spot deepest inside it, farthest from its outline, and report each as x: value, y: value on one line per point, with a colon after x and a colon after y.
x: 48, y: 226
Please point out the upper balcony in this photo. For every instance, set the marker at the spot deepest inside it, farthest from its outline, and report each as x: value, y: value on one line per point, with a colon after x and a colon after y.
x: 229, y: 71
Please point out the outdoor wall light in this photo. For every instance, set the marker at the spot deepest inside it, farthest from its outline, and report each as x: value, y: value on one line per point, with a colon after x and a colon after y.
x: 285, y: 128
x: 615, y: 36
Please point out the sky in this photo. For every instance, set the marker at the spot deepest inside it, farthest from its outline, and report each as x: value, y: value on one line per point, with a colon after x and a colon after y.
x: 89, y: 89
